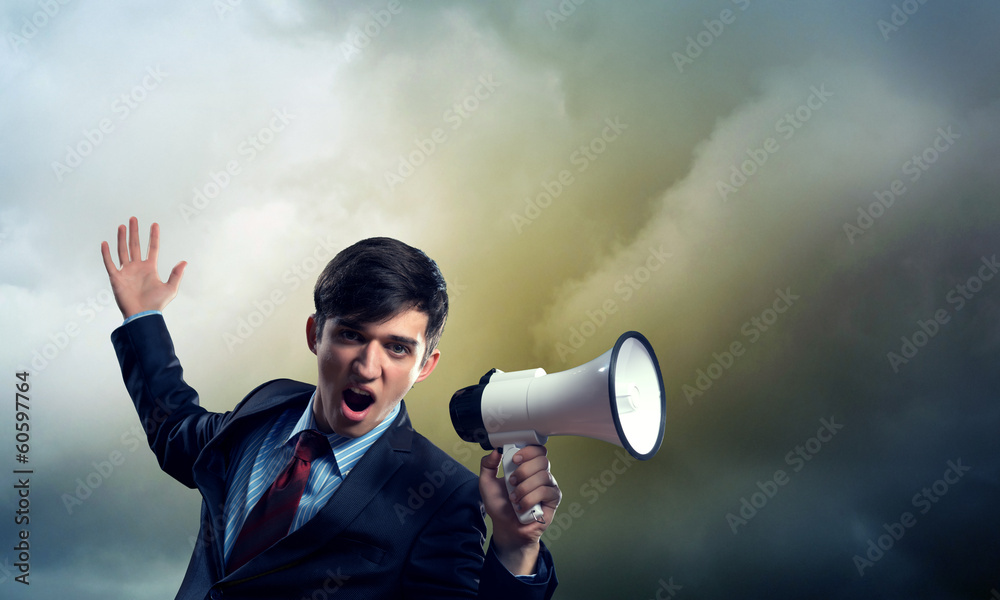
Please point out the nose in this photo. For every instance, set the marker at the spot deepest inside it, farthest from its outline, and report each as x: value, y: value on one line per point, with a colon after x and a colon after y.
x: 367, y: 364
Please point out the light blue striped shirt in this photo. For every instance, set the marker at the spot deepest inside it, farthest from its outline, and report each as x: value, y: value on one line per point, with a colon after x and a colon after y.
x: 263, y: 455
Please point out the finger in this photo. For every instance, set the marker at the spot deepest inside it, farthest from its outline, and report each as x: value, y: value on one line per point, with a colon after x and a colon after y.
x: 174, y: 281
x: 154, y: 243
x: 122, y: 248
x: 134, y: 249
x: 548, y: 495
x: 539, y: 464
x: 109, y: 262
x: 527, y: 486
x: 528, y: 453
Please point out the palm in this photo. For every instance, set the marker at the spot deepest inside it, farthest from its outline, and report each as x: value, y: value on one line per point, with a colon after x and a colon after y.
x: 136, y: 285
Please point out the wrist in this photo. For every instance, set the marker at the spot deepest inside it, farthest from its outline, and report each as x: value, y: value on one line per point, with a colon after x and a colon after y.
x: 130, y: 310
x: 519, y: 560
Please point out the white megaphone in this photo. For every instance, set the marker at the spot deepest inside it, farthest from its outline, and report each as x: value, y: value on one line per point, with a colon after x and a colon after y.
x: 617, y: 397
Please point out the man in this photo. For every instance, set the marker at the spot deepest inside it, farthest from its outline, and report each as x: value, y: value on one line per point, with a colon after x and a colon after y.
x: 310, y: 491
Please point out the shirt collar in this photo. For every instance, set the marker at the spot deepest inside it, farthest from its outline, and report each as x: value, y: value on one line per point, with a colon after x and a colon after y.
x: 339, y: 444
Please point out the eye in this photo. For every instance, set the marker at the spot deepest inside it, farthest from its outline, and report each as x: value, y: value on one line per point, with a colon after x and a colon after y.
x: 349, y: 335
x: 399, y: 349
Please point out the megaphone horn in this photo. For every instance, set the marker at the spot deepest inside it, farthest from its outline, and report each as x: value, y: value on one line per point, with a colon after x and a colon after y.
x: 618, y: 397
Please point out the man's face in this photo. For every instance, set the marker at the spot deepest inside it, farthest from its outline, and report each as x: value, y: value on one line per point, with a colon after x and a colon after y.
x: 365, y: 369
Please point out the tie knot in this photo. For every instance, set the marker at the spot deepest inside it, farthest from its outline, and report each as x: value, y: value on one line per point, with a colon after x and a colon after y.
x: 311, y: 445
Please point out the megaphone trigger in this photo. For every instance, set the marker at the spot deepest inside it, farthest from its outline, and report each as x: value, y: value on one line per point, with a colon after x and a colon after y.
x: 533, y: 514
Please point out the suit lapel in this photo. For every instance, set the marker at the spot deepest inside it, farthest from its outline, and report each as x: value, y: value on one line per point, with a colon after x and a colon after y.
x: 211, y: 467
x: 258, y: 406
x: 367, y: 478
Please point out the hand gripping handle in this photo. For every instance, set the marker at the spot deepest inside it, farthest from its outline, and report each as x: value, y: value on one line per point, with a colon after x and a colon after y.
x: 535, y: 512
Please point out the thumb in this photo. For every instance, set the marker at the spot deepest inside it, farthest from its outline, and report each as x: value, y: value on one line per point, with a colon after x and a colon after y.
x: 176, y: 274
x: 490, y: 464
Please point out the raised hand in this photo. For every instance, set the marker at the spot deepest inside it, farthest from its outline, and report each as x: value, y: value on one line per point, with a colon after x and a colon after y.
x: 136, y: 285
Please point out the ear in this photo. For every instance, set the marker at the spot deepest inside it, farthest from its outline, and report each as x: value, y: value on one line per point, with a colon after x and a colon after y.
x: 311, y: 333
x: 429, y: 365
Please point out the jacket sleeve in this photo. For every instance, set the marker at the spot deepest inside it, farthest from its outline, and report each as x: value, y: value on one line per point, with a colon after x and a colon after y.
x: 447, y: 560
x: 177, y: 428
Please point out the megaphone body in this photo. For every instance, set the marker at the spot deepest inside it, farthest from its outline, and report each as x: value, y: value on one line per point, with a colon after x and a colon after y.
x: 618, y: 397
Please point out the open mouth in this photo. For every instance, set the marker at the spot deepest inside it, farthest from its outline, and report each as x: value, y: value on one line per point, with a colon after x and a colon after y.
x: 357, y: 402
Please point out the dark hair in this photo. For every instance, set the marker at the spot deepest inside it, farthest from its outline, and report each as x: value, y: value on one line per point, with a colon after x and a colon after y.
x: 377, y: 278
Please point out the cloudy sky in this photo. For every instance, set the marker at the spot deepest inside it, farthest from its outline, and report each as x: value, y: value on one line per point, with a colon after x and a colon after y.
x: 797, y: 205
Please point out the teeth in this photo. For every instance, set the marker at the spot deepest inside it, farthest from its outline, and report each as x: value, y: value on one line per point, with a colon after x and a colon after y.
x: 359, y: 391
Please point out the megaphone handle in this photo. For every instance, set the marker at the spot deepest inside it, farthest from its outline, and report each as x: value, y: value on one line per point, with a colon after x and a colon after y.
x: 535, y: 512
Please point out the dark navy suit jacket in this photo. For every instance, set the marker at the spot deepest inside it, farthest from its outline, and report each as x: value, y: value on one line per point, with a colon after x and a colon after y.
x: 406, y: 523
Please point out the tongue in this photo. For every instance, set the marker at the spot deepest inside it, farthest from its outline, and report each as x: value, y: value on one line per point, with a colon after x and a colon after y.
x: 355, y: 401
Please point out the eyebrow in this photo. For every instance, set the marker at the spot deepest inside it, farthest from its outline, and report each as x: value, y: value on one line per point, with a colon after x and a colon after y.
x: 358, y: 327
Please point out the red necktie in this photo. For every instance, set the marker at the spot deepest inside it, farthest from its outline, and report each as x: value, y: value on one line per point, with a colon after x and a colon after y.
x: 272, y: 516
